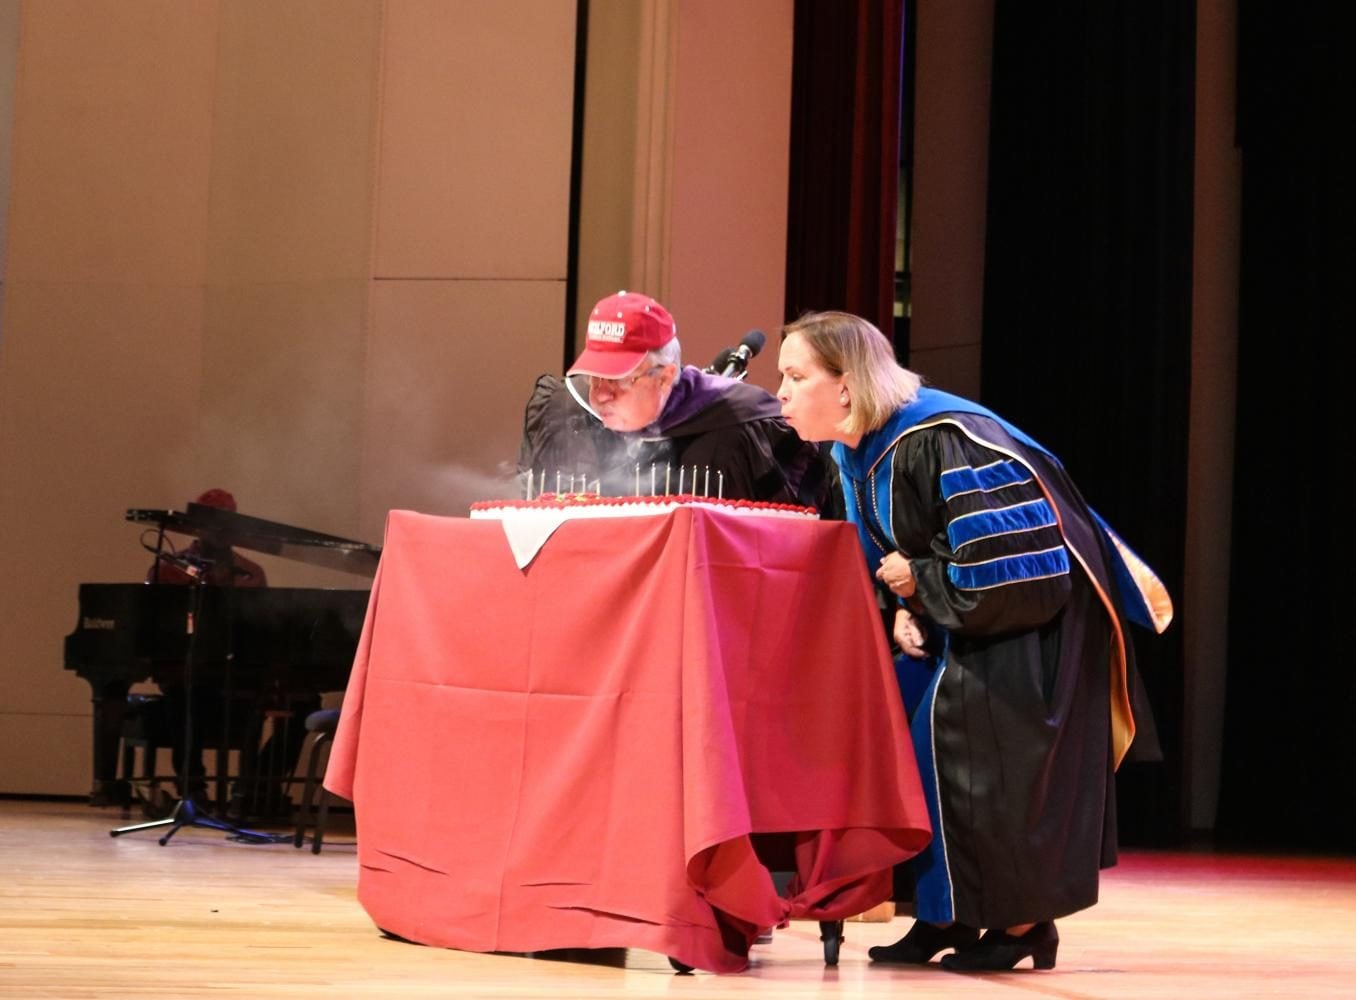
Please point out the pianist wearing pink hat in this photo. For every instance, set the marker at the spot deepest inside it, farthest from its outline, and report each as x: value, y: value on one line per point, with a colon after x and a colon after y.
x: 211, y: 559
x: 210, y: 556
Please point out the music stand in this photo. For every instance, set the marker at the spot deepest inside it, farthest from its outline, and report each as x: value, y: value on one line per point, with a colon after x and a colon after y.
x: 185, y: 812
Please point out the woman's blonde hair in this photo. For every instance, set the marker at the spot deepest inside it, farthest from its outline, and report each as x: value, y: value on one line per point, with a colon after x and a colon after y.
x: 849, y: 346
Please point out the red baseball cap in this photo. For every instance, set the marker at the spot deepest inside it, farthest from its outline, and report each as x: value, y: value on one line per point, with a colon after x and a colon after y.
x: 218, y: 498
x: 622, y: 329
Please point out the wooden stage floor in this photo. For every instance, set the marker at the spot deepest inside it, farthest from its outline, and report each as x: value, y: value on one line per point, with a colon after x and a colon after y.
x: 84, y: 915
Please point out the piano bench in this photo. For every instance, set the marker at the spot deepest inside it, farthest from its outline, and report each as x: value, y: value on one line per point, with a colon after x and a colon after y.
x: 322, y: 725
x: 144, y: 729
x: 151, y: 724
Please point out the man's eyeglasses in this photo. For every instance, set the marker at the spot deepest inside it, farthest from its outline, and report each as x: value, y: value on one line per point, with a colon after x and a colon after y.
x: 619, y: 385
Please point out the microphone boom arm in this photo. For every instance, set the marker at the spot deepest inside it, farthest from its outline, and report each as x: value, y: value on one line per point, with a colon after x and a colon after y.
x: 737, y: 363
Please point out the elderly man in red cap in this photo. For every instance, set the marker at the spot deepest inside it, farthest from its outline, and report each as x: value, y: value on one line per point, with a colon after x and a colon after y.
x: 628, y: 405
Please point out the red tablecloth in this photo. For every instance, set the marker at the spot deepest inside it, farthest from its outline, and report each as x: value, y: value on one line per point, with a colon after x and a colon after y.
x: 613, y: 746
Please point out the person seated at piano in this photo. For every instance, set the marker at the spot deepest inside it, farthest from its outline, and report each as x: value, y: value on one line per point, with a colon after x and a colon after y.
x: 210, y: 556
x: 630, y: 417
x: 211, y: 559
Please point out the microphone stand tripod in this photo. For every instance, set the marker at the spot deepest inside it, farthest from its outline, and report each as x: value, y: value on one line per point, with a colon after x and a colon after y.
x: 186, y: 813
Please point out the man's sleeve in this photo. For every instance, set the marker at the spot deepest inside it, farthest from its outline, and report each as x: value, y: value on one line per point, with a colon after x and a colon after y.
x: 537, y: 424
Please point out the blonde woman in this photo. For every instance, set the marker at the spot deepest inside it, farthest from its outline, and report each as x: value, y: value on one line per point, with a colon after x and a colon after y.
x: 1010, y: 600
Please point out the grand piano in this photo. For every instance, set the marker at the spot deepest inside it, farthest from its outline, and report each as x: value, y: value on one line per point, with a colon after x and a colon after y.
x: 271, y: 642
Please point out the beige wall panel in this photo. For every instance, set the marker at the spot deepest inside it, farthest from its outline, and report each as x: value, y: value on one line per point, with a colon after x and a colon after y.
x: 607, y: 184
x: 475, y: 139
x: 288, y: 263
x: 292, y: 159
x: 9, y: 68
x: 281, y: 406
x: 450, y: 367
x: 99, y: 389
x: 950, y: 186
x: 731, y: 135
x: 45, y: 754
x: 952, y: 369
x: 112, y: 127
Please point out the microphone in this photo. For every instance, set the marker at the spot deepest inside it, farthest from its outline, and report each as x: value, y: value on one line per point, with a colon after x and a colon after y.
x: 737, y: 365
x: 717, y: 366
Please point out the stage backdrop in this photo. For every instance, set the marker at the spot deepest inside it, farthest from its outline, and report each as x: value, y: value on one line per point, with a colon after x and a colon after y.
x: 317, y: 252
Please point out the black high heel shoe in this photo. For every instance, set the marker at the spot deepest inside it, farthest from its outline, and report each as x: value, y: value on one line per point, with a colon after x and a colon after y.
x: 922, y: 942
x: 998, y: 951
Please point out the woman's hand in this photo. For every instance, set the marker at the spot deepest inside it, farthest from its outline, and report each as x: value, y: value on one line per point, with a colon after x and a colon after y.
x: 909, y: 633
x: 896, y: 573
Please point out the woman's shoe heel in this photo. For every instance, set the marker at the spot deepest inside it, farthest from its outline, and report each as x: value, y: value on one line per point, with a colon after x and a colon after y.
x: 1044, y: 955
x: 998, y: 951
x: 923, y: 941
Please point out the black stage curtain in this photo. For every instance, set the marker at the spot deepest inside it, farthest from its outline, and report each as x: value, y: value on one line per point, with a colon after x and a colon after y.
x: 1087, y: 297
x: 1289, y: 754
x: 844, y: 158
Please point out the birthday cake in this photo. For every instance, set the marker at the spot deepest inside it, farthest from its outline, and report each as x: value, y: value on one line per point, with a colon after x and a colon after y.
x: 528, y: 524
x: 558, y: 506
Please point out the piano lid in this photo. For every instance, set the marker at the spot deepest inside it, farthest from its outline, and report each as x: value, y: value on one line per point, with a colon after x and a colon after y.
x: 254, y: 533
